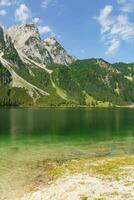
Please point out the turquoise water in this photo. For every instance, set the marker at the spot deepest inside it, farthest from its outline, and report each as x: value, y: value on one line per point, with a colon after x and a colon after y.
x: 39, y: 128
x: 28, y: 136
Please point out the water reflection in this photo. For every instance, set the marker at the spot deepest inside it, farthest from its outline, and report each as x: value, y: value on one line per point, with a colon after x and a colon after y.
x: 28, y: 136
x: 96, y: 124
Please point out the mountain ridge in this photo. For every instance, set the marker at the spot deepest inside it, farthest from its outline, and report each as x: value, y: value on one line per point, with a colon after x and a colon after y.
x: 36, y: 72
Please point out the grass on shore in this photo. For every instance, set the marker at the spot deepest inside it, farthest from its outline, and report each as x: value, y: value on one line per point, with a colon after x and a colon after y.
x: 110, y: 167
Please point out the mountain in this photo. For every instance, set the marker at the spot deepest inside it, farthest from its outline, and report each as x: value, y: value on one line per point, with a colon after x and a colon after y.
x: 36, y: 72
x: 57, y: 52
x: 27, y: 41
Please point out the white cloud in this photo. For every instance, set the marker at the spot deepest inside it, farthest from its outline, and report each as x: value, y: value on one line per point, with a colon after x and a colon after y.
x: 3, y: 12
x: 23, y: 14
x: 126, y: 5
x: 36, y: 20
x: 113, y: 45
x: 115, y: 28
x: 44, y: 29
x: 4, y: 3
x: 46, y: 3
x: 53, y: 3
x: 104, y: 19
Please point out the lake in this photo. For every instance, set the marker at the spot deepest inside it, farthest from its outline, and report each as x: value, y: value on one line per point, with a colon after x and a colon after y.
x: 30, y: 135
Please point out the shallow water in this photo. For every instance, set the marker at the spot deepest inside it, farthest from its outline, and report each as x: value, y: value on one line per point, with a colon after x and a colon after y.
x: 28, y: 136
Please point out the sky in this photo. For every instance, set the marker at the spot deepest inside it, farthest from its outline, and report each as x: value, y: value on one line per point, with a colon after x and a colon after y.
x: 85, y: 28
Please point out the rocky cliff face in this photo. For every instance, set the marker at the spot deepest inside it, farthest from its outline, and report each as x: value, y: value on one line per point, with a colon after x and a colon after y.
x: 7, y: 49
x: 27, y: 41
x: 57, y: 52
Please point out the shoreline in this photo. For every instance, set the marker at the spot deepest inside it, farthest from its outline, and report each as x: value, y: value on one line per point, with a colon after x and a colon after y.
x: 101, y: 178
x: 75, y: 106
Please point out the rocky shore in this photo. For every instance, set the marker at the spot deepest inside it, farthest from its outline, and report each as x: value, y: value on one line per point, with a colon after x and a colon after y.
x: 108, y: 178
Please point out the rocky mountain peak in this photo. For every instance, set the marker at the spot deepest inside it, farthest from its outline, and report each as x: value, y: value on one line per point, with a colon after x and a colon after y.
x: 57, y: 52
x: 20, y: 34
x: 51, y: 41
x: 26, y: 29
x: 27, y: 41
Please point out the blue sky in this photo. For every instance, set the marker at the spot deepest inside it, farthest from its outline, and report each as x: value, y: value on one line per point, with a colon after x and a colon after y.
x: 86, y: 28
